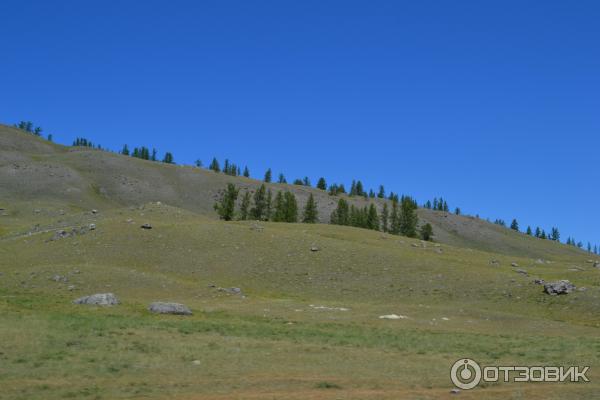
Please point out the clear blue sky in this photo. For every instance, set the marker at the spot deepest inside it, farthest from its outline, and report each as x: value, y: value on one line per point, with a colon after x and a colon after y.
x: 493, y: 105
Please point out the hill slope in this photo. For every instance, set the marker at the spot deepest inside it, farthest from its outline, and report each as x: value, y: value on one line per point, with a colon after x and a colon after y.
x: 32, y: 169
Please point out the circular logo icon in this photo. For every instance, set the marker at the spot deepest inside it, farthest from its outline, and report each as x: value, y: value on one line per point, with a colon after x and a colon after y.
x: 465, y: 374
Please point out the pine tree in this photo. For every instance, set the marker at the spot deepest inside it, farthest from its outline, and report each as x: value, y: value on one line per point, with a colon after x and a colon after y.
x: 428, y: 205
x: 281, y: 179
x: 125, y: 150
x: 589, y: 247
x: 445, y: 206
x: 168, y: 159
x: 514, y: 225
x: 153, y: 157
x: 306, y: 181
x: 381, y: 193
x: 260, y: 203
x: 529, y: 231
x: 226, y: 206
x: 49, y: 137
x: 372, y: 221
x: 385, y: 215
x: 543, y: 235
x: 298, y: 182
x: 408, y: 218
x: 359, y: 189
x: 554, y: 234
x: 268, y: 176
x: 291, y: 207
x: 246, y: 172
x: 340, y: 216
x: 371, y: 194
x: 310, y: 211
x: 395, y: 219
x: 245, y: 206
x: 279, y: 215
x: 457, y: 211
x: 538, y: 232
x: 321, y: 184
x: 214, y: 165
x: 353, y: 188
x: 427, y: 232
x: 269, y: 205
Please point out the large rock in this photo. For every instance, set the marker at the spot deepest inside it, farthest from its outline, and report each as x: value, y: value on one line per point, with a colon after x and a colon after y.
x: 169, y: 308
x: 98, y: 299
x: 560, y: 287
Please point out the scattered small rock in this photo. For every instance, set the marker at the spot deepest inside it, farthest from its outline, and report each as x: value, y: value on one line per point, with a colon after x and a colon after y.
x: 169, y: 308
x: 538, y: 281
x: 94, y: 211
x: 231, y: 290
x: 559, y: 287
x: 60, y: 278
x: 522, y: 271
x: 455, y: 391
x: 71, y: 287
x: 256, y: 227
x: 539, y: 261
x: 392, y: 316
x: 314, y: 248
x: 514, y: 264
x: 92, y: 227
x: 196, y: 362
x: 146, y: 226
x: 98, y: 299
x: 494, y: 263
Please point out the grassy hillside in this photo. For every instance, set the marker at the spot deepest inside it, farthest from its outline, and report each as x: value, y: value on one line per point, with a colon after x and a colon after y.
x: 306, y: 325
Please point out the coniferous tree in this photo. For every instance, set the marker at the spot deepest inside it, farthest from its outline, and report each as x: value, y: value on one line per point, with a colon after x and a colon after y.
x: 543, y: 235
x: 245, y: 206
x: 298, y: 182
x: 260, y: 203
x: 269, y: 205
x: 428, y: 205
x: 457, y: 211
x: 589, y: 247
x: 246, y: 172
x: 445, y: 206
x: 310, y: 211
x: 538, y: 232
x: 371, y: 194
x: 341, y: 215
x: 353, y: 188
x: 321, y: 184
x: 281, y: 179
x: 359, y: 189
x: 408, y: 218
x: 427, y: 232
x: 279, y: 214
x: 291, y: 207
x: 385, y: 215
x: 395, y: 219
x: 554, y: 234
x: 306, y: 181
x: 168, y: 159
x: 49, y: 137
x: 268, y: 176
x: 381, y: 193
x: 226, y: 206
x: 372, y: 220
x: 214, y: 165
x: 125, y: 150
x: 153, y: 157
x: 529, y: 231
x: 198, y: 163
x: 341, y: 188
x: 514, y: 225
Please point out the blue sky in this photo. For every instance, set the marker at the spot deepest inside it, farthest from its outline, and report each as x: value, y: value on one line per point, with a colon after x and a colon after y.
x: 493, y: 105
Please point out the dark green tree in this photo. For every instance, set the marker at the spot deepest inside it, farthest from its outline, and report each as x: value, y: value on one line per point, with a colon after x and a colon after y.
x: 408, y: 218
x: 269, y: 205
x: 310, y: 211
x: 245, y: 206
x: 226, y: 206
x: 341, y: 215
x: 321, y: 184
x: 372, y: 221
x: 306, y: 181
x: 214, y: 165
x: 298, y: 182
x: 457, y: 211
x: 427, y: 232
x: 246, y: 172
x: 555, y: 234
x: 291, y: 207
x: 514, y: 225
x: 279, y: 214
x: 168, y: 159
x: 381, y: 193
x: 385, y: 216
x: 395, y: 219
x: 268, y: 175
x: 260, y: 203
x: 529, y: 231
x: 125, y: 150
x: 281, y: 179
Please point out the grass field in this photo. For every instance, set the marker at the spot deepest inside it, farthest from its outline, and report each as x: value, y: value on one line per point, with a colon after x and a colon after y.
x: 286, y: 337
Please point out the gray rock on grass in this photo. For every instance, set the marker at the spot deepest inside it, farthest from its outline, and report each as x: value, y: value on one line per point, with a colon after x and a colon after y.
x: 169, y: 308
x: 98, y: 299
x: 559, y: 287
